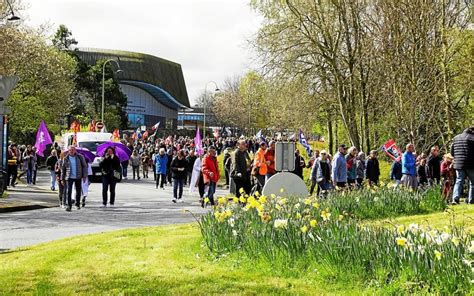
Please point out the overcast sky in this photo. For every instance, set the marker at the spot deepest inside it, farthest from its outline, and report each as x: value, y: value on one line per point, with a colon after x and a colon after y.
x: 208, y: 38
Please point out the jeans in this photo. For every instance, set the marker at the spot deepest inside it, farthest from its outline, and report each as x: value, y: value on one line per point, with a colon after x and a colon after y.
x: 136, y: 170
x: 62, y: 194
x: 78, y: 185
x: 29, y: 176
x: 210, y: 192
x: 53, y: 179
x: 458, y: 186
x: 124, y: 171
x: 178, y: 185
x: 108, y: 181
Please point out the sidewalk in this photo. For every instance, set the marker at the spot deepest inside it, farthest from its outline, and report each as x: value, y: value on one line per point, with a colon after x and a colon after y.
x: 23, y: 197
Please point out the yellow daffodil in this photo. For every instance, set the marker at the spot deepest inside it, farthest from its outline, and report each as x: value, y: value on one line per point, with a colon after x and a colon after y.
x: 217, y: 215
x: 242, y: 199
x: 438, y: 254
x: 283, y: 201
x: 272, y: 196
x: 235, y: 199
x: 206, y: 200
x: 280, y: 223
x: 316, y: 205
x: 304, y: 229
x: 455, y: 241
x: 222, y: 200
x: 307, y: 201
x: 298, y: 216
x: 313, y: 223
x: 340, y: 218
x: 282, y: 190
x: 262, y: 199
x: 401, y: 241
x: 266, y: 218
x: 278, y: 207
x: 325, y: 215
x: 241, y: 191
x: 401, y: 229
x: 257, y: 194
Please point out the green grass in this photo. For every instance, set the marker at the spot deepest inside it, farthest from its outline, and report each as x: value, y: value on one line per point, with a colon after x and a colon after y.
x: 158, y: 260
x: 167, y: 260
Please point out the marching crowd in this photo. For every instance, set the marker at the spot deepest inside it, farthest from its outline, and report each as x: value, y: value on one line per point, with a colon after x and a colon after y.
x: 248, y: 164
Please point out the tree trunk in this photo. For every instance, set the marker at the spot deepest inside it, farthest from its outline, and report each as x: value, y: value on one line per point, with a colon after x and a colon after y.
x: 330, y: 133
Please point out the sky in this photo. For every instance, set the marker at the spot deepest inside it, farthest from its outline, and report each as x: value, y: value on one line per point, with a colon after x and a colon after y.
x: 209, y: 38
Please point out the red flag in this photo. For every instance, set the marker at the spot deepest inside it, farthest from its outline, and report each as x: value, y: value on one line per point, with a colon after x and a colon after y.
x: 145, y: 135
x: 92, y: 126
x: 390, y: 148
x: 134, y: 136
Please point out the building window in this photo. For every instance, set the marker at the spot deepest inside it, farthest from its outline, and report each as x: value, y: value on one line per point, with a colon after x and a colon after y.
x: 169, y: 123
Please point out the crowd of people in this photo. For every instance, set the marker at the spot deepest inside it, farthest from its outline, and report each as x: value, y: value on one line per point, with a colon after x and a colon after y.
x: 248, y: 164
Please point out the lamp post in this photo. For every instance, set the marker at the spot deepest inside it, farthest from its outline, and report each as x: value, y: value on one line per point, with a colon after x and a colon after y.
x: 103, y: 84
x: 205, y: 105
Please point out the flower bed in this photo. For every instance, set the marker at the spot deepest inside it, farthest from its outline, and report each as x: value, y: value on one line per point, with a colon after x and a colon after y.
x: 310, y: 233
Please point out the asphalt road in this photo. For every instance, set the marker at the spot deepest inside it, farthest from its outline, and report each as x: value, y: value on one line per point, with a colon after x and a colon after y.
x: 138, y: 204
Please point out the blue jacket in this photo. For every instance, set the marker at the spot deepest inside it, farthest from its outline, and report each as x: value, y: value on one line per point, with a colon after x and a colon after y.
x: 408, y: 164
x: 339, y: 168
x: 161, y: 163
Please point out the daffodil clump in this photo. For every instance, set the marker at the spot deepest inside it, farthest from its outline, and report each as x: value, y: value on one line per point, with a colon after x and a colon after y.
x: 310, y: 232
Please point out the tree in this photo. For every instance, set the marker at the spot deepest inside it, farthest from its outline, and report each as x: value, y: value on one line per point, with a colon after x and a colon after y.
x: 63, y: 39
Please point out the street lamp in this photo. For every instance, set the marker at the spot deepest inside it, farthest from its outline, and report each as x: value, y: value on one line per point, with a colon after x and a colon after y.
x: 205, y: 104
x: 13, y: 17
x: 103, y: 84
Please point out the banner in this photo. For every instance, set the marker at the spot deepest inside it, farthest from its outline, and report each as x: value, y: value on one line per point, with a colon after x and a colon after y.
x: 198, y: 143
x: 390, y: 148
x: 42, y: 138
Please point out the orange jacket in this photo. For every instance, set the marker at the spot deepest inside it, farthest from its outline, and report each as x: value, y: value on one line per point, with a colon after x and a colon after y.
x: 260, y: 162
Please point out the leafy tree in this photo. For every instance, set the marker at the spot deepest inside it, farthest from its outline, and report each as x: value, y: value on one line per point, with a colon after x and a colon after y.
x: 63, y: 39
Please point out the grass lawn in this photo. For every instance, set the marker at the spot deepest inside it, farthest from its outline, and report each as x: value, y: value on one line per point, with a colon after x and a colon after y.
x: 166, y: 260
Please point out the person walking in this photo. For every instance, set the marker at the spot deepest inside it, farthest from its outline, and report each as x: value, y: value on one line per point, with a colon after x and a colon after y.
x: 433, y: 165
x: 13, y: 160
x: 270, y: 159
x: 396, y: 172
x: 125, y: 169
x: 372, y: 168
x: 35, y: 167
x: 463, y: 152
x: 153, y: 158
x: 260, y: 166
x: 409, y: 167
x: 321, y: 174
x: 29, y: 158
x: 178, y: 168
x: 227, y: 163
x: 50, y: 164
x: 110, y: 167
x: 210, y: 171
x: 360, y: 168
x: 145, y: 159
x: 73, y: 171
x: 351, y: 159
x: 62, y: 192
x: 240, y: 169
x: 339, y: 168
x: 299, y: 164
x: 448, y: 174
x: 161, y: 164
x: 135, y: 160
x: 421, y: 172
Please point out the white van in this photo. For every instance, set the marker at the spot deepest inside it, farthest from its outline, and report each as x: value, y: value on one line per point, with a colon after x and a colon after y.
x: 89, y: 140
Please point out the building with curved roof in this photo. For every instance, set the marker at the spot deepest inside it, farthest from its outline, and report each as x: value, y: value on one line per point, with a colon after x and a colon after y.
x: 154, y: 87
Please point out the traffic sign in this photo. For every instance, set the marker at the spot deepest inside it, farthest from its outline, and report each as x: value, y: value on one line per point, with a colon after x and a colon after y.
x: 99, y: 125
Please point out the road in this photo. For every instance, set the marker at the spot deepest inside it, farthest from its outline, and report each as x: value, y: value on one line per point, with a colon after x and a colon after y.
x: 138, y: 204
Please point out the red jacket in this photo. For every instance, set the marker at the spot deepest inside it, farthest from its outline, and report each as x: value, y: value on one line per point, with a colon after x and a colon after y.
x: 209, y: 164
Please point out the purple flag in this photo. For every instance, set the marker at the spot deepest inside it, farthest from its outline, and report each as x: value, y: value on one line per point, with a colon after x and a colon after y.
x: 198, y: 143
x: 42, y: 138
